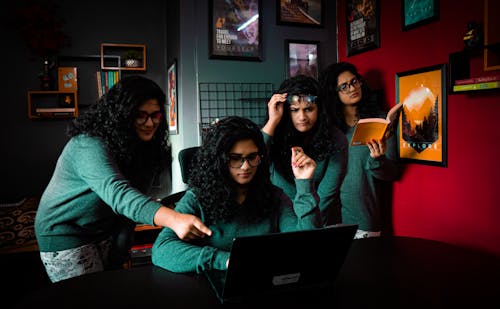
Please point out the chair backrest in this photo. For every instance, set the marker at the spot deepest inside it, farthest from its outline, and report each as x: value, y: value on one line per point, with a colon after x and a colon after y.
x: 185, y: 157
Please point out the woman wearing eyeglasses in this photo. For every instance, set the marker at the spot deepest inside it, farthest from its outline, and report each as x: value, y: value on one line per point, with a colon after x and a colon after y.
x: 297, y: 118
x: 104, y: 182
x: 231, y: 191
x: 371, y: 168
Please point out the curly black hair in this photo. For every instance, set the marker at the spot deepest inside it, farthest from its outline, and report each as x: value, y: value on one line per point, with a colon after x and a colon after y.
x: 328, y: 79
x: 111, y: 120
x: 318, y: 143
x: 211, y: 181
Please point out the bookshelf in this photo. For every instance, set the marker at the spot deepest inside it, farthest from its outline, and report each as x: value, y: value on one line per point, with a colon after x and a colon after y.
x: 120, y: 51
x: 52, y: 104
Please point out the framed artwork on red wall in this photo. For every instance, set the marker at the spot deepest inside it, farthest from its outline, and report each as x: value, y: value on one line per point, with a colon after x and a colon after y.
x: 422, y: 130
x: 363, y: 31
x: 417, y: 13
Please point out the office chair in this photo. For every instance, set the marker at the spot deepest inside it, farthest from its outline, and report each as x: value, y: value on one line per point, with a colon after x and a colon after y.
x: 185, y: 158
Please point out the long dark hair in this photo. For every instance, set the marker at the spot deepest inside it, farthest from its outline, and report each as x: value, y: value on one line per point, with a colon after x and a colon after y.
x: 318, y: 143
x: 111, y: 120
x: 210, y: 178
x: 328, y: 79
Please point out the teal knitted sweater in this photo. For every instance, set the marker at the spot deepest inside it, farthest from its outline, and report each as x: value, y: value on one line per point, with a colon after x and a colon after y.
x: 85, y: 198
x: 212, y: 252
x: 327, y: 177
x: 367, y: 179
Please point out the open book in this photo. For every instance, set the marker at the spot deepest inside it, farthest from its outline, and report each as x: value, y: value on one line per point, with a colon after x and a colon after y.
x: 375, y: 128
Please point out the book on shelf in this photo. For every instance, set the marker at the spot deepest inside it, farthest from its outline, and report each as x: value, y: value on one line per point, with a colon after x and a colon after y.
x: 477, y: 86
x: 67, y: 78
x: 375, y: 128
x: 477, y: 80
x: 55, y: 110
x: 105, y: 80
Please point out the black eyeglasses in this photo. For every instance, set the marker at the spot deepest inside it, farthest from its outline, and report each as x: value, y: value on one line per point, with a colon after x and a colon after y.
x: 346, y: 87
x: 294, y: 99
x: 237, y: 161
x: 142, y: 117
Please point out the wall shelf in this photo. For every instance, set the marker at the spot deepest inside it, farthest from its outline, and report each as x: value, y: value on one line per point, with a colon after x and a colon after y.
x: 119, y: 51
x: 52, y: 104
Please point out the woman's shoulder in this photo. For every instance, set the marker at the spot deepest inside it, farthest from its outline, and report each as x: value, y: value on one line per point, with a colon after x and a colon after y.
x: 85, y: 141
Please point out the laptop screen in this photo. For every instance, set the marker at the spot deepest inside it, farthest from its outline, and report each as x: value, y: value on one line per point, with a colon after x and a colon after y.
x: 273, y: 264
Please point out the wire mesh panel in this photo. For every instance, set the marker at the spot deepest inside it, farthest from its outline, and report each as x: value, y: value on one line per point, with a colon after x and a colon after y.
x: 219, y: 100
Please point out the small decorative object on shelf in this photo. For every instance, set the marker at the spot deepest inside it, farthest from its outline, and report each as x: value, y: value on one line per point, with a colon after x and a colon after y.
x: 473, y: 38
x: 132, y: 58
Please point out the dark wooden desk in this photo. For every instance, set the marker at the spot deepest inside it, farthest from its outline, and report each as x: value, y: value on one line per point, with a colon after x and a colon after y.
x: 396, y: 272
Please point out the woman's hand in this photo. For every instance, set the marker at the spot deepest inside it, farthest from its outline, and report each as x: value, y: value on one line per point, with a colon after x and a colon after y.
x: 186, y: 226
x: 302, y: 165
x: 275, y: 108
x: 377, y: 148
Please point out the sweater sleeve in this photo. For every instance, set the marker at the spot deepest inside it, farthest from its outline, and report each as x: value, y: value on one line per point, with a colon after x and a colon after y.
x: 329, y: 186
x: 176, y: 255
x: 304, y: 213
x: 387, y: 166
x: 94, y: 166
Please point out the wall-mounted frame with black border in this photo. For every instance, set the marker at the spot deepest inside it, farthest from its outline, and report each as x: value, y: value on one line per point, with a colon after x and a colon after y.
x: 300, y: 13
x: 417, y: 13
x: 302, y: 57
x: 235, y: 30
x: 422, y: 130
x: 362, y: 26
x: 172, y: 100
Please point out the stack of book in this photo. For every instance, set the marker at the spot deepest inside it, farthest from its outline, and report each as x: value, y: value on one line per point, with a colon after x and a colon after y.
x: 106, y: 80
x: 477, y: 83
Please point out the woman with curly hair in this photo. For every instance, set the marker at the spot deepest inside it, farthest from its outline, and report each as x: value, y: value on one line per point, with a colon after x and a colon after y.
x: 297, y: 117
x: 103, y: 180
x: 371, y: 167
x: 230, y: 190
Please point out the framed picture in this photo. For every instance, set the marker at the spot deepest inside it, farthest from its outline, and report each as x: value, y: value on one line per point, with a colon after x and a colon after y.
x: 172, y: 108
x: 235, y: 30
x: 363, y: 31
x: 300, y: 13
x: 422, y: 126
x: 416, y: 13
x: 302, y: 58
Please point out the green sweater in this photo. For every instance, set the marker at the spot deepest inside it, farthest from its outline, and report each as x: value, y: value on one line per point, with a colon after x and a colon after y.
x: 327, y: 177
x: 365, y: 183
x: 85, y: 197
x: 212, y: 252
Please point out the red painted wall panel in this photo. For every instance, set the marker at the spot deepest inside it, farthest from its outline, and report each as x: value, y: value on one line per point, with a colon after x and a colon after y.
x: 459, y: 204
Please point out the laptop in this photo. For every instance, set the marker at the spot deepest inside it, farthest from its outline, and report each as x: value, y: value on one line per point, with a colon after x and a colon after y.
x: 281, y: 265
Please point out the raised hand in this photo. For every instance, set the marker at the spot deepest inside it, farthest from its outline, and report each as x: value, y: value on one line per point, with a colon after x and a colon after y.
x: 302, y: 165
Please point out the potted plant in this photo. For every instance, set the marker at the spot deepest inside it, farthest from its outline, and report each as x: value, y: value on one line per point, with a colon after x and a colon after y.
x: 132, y: 58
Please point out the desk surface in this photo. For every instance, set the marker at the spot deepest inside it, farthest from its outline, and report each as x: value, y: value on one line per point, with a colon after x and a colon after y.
x: 398, y: 272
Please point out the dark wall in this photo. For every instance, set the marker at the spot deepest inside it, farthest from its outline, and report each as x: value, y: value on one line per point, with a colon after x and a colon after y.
x: 171, y: 30
x: 29, y: 148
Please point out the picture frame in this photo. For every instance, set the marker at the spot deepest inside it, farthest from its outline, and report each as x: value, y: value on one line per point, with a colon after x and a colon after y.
x: 422, y: 130
x: 362, y: 26
x: 172, y: 100
x: 417, y: 13
x: 235, y: 30
x: 300, y: 13
x: 302, y: 57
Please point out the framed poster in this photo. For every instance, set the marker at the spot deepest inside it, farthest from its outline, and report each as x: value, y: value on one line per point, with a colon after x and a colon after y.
x: 235, y: 30
x: 422, y: 126
x: 416, y: 13
x: 173, y: 124
x: 300, y: 13
x: 363, y: 30
x: 301, y: 58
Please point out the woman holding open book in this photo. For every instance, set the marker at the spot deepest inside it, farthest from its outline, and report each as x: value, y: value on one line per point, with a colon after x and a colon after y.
x: 371, y: 167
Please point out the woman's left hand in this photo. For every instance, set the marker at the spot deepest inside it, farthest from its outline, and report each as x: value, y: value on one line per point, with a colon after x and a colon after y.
x: 302, y: 165
x: 377, y: 148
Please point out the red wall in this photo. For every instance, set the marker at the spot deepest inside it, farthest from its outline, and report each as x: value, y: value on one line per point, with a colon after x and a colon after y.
x: 456, y: 204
